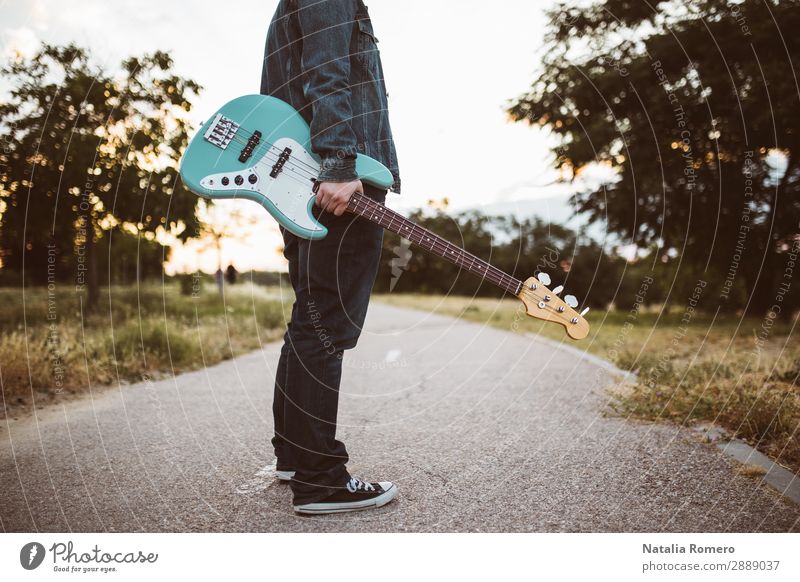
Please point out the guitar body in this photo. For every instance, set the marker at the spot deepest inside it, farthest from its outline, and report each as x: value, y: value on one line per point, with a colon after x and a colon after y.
x: 258, y: 148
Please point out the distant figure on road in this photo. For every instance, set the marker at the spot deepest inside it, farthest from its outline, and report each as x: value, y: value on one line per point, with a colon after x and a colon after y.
x: 321, y: 58
x: 230, y: 275
x: 219, y: 279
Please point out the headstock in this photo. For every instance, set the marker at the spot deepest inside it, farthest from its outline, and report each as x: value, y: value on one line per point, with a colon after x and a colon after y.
x: 542, y: 303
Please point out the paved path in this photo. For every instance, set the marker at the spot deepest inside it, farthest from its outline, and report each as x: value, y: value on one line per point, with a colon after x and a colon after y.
x: 483, y: 430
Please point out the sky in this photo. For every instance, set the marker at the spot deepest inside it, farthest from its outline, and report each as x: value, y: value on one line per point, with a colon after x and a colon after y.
x: 451, y: 67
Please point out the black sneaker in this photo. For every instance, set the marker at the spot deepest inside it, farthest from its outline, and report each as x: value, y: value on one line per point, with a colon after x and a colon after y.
x: 354, y: 496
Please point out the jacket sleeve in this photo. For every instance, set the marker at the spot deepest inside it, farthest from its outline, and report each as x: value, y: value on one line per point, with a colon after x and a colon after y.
x: 327, y: 28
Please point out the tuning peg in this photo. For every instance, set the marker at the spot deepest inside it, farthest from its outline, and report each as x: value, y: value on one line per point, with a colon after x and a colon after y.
x: 571, y: 300
x: 544, y: 278
x: 558, y: 289
x: 584, y: 312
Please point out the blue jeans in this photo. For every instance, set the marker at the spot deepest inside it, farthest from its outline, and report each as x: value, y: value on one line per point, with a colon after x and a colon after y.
x: 332, y: 280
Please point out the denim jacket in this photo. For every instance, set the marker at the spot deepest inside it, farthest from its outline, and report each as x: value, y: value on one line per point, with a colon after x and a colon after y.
x: 322, y: 58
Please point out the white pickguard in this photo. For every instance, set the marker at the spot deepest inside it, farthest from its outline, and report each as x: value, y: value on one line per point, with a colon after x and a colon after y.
x: 289, y: 192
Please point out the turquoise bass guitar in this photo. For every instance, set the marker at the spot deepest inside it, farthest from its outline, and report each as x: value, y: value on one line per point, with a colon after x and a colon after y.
x: 258, y: 148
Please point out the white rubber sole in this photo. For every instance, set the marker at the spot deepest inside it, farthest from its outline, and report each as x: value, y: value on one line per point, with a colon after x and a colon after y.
x: 284, y: 475
x: 390, y: 492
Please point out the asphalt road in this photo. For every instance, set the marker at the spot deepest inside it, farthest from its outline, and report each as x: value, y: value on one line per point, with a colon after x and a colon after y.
x: 481, y: 429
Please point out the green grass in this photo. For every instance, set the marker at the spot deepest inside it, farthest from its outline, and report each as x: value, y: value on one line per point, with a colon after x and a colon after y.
x: 152, y: 331
x: 706, y: 371
x: 687, y: 374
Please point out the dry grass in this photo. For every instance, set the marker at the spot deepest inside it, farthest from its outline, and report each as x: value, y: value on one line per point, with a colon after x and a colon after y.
x: 709, y: 370
x: 151, y: 330
x: 751, y: 471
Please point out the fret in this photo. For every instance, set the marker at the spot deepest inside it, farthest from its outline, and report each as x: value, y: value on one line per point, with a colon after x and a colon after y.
x: 398, y: 224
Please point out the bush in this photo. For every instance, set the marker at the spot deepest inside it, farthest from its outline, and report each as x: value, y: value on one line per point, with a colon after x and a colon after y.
x: 142, y: 329
x: 151, y: 337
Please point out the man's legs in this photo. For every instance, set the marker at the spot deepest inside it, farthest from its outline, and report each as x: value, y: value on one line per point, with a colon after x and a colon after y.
x: 332, y: 279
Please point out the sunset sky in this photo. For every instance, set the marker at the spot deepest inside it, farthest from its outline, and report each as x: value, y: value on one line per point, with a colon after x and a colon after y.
x: 451, y: 66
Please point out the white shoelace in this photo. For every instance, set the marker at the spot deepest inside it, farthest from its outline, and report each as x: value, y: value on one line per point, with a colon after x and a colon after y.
x: 357, y: 484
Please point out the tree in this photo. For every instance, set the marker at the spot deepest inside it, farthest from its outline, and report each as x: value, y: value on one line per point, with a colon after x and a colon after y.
x: 219, y: 223
x: 88, y: 151
x: 692, y: 106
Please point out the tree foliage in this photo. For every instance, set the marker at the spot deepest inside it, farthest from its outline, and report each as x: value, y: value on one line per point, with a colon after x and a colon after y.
x: 87, y: 151
x: 692, y: 106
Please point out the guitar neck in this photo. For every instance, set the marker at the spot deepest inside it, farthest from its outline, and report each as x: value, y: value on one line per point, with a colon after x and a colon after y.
x: 422, y: 237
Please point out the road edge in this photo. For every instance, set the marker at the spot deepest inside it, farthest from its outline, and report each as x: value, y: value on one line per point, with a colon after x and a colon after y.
x: 776, y: 476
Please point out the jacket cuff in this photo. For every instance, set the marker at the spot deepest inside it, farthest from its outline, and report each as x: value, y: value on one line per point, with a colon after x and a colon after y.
x: 338, y: 169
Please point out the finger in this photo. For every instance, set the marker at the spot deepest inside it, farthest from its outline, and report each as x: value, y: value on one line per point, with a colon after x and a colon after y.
x: 324, y: 199
x: 330, y: 204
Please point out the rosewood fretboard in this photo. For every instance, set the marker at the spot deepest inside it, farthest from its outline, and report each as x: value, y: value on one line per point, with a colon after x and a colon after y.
x: 398, y: 224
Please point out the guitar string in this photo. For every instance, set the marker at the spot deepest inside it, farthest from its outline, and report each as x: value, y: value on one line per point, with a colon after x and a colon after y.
x: 259, y: 149
x: 518, y: 285
x: 459, y: 257
x: 270, y: 145
x: 493, y: 274
x: 450, y: 250
x: 542, y: 303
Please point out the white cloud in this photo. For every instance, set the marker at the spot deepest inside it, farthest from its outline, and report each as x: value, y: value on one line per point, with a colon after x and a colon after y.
x: 20, y: 41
